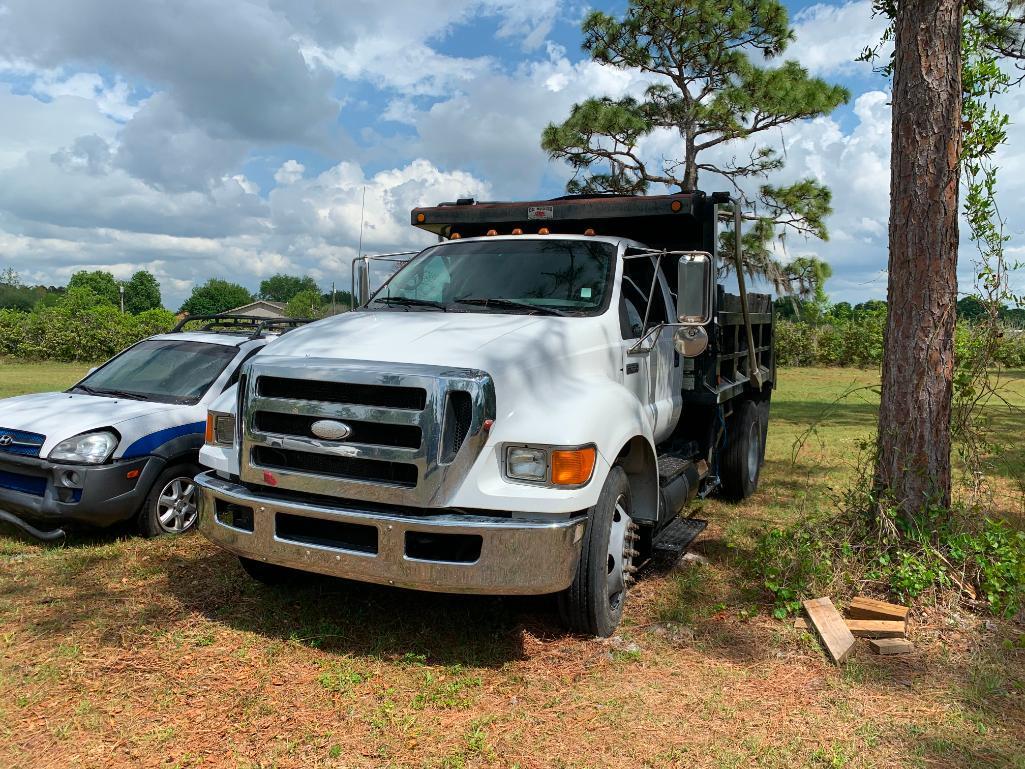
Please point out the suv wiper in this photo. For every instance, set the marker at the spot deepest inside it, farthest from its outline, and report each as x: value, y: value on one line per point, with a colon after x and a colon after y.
x: 510, y: 303
x: 116, y: 393
x: 409, y: 301
x: 86, y: 389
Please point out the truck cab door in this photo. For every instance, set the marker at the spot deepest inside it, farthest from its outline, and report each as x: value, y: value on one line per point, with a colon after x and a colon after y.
x: 654, y: 377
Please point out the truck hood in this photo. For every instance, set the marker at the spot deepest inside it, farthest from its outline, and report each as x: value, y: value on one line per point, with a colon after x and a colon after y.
x: 434, y: 338
x: 62, y: 415
x: 514, y: 348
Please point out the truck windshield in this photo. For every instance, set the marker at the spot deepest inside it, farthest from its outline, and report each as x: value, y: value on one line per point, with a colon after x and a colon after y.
x: 164, y: 371
x: 549, y: 276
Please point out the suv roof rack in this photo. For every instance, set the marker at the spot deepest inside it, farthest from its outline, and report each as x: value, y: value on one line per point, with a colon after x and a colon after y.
x: 247, y: 324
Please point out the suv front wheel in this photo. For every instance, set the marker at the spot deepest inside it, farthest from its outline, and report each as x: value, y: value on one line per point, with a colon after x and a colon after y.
x: 172, y: 505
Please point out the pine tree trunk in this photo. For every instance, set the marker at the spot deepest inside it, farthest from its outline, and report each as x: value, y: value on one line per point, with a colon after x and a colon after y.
x: 918, y: 365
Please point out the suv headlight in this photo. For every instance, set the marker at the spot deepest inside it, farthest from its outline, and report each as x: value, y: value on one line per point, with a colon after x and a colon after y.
x: 550, y: 465
x: 220, y: 429
x: 87, y: 448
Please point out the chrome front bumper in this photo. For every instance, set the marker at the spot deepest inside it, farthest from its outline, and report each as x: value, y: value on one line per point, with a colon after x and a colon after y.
x: 517, y: 557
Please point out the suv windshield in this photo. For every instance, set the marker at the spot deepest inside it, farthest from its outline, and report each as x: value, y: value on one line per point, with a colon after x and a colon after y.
x: 164, y: 371
x: 549, y: 276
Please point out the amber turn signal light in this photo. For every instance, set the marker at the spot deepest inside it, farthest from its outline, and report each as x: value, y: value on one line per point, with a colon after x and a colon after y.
x: 209, y: 437
x: 572, y: 467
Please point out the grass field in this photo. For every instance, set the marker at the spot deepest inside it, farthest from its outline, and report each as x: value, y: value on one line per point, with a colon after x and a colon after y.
x: 118, y: 652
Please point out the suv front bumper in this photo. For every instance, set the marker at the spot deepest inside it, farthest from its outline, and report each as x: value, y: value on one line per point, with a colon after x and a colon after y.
x: 511, y: 556
x: 37, y: 489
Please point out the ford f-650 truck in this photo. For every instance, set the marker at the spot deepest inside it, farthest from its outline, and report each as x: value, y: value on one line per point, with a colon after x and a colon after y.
x: 525, y: 407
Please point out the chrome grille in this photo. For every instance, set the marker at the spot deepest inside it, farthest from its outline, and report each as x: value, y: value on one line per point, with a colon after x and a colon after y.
x: 415, y: 430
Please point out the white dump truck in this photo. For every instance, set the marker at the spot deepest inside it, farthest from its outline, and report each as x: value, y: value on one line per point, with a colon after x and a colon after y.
x: 525, y: 407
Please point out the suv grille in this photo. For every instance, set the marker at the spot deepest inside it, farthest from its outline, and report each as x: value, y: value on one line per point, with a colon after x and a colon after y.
x: 20, y: 442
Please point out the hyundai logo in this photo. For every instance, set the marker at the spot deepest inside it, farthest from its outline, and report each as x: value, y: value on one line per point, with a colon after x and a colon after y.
x: 6, y: 440
x: 330, y: 430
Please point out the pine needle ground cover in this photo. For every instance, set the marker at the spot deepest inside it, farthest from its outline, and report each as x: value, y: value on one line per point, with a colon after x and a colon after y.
x: 121, y: 652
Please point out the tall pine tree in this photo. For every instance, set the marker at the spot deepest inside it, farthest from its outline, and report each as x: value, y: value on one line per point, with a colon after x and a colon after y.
x: 711, y: 84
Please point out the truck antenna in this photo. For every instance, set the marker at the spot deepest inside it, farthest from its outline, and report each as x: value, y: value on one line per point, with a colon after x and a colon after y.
x: 362, y: 216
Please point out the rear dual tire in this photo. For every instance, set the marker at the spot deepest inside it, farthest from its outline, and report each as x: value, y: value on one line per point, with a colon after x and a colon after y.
x: 744, y: 452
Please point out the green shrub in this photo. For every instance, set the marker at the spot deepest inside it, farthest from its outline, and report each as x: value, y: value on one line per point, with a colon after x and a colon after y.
x: 76, y: 330
x: 939, y: 550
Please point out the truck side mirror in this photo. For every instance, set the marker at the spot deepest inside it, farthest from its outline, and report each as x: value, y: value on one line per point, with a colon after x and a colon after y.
x: 694, y: 289
x: 360, y: 282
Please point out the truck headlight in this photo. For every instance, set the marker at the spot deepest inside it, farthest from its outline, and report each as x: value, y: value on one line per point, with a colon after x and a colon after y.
x: 550, y: 465
x: 220, y: 429
x: 526, y: 464
x: 87, y: 448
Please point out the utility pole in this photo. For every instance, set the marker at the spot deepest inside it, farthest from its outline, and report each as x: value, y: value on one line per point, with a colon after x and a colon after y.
x: 121, y: 290
x: 332, y: 297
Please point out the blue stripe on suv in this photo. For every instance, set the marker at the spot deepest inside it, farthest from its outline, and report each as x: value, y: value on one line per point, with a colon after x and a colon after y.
x: 146, y: 444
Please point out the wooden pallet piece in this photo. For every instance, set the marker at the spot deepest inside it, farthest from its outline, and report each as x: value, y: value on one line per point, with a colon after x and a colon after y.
x: 862, y: 607
x: 890, y: 646
x: 877, y: 628
x: 831, y: 628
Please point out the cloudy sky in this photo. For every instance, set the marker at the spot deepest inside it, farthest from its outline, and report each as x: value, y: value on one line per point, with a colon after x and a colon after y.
x: 235, y: 138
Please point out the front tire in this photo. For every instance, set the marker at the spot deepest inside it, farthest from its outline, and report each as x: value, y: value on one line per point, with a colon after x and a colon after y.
x: 593, y: 604
x: 172, y: 505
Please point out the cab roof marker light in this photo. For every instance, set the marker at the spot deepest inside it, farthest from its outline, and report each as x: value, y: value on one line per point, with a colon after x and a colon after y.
x: 517, y: 231
x: 544, y: 231
x: 589, y: 232
x: 492, y: 233
x: 421, y: 218
x: 676, y: 206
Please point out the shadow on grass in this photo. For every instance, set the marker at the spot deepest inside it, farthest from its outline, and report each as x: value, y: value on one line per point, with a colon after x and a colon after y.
x: 358, y: 618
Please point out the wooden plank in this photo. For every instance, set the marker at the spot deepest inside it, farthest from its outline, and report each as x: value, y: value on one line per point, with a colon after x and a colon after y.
x: 828, y: 623
x: 877, y: 628
x: 888, y: 646
x: 863, y: 607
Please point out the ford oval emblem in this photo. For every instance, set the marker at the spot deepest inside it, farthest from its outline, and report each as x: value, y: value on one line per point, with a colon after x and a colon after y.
x: 330, y: 430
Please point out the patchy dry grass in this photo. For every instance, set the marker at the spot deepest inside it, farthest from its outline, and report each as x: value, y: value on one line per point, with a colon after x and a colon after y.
x: 122, y: 652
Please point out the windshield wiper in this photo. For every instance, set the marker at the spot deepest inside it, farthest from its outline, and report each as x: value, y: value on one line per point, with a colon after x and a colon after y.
x: 115, y: 393
x: 86, y: 389
x: 409, y: 301
x: 510, y: 303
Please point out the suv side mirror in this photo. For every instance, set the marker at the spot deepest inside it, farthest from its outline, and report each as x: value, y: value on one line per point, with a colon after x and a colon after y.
x: 694, y: 289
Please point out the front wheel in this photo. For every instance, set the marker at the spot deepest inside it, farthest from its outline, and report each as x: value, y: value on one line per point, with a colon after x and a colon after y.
x: 593, y: 604
x: 172, y: 505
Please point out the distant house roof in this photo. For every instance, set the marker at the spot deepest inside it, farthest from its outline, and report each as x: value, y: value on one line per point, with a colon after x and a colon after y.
x: 261, y: 308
